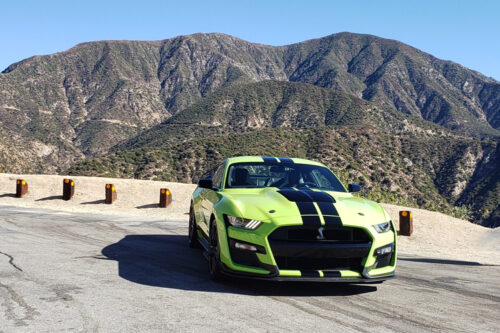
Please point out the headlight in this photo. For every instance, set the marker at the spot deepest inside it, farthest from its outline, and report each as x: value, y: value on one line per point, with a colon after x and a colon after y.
x: 382, y: 227
x: 239, y: 222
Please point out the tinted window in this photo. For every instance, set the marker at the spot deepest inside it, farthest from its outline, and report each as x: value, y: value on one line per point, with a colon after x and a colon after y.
x: 258, y: 174
x: 217, y: 176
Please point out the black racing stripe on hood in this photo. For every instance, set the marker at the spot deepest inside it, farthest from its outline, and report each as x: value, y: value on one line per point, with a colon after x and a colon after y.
x: 332, y: 220
x: 332, y: 274
x: 295, y: 196
x: 319, y: 196
x: 305, y: 203
x: 309, y: 274
x: 307, y: 208
x: 285, y: 160
x: 270, y: 160
x: 327, y: 208
x: 311, y: 220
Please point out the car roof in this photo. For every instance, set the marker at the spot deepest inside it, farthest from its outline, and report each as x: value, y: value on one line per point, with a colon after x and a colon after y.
x: 243, y: 159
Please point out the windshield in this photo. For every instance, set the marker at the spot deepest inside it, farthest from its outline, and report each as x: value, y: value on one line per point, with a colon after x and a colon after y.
x: 258, y: 175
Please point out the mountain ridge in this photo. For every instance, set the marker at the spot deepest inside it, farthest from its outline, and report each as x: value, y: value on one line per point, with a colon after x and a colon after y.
x: 101, y: 97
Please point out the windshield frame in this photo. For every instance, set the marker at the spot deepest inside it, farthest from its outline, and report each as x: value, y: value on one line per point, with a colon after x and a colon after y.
x: 319, y: 167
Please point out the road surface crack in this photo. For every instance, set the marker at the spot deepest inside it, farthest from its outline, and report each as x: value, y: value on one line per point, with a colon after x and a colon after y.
x: 11, y: 261
x: 11, y: 312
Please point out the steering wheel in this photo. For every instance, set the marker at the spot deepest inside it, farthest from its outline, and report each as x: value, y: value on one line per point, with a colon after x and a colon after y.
x: 308, y: 184
x: 268, y: 181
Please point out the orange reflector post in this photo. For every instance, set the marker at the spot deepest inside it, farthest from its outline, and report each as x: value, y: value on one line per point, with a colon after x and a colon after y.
x: 405, y: 223
x: 111, y: 195
x: 165, y: 197
x: 21, y: 188
x: 68, y: 189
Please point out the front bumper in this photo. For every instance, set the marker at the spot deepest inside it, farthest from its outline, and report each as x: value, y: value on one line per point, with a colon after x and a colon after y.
x: 275, y: 276
x: 280, y: 260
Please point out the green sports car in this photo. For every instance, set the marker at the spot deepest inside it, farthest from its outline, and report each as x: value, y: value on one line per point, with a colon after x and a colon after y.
x: 289, y: 219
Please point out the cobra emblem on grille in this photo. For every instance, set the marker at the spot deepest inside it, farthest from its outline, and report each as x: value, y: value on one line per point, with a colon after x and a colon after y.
x: 320, y: 232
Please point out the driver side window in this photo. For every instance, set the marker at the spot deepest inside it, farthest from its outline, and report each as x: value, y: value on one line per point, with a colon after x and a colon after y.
x: 217, y: 177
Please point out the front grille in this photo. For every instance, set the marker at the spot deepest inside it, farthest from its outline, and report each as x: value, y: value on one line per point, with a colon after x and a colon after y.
x: 308, y: 248
x: 312, y: 234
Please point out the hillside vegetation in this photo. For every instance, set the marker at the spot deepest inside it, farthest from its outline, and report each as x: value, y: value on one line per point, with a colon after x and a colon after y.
x: 403, y: 169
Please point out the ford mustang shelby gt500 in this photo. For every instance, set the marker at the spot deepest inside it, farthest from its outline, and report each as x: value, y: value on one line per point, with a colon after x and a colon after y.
x: 289, y: 219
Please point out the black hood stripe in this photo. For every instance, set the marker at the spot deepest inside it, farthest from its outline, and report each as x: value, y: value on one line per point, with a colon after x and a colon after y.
x: 311, y: 220
x: 305, y: 195
x: 307, y: 208
x: 305, y: 202
x: 319, y: 196
x: 327, y: 208
x: 332, y: 220
x: 295, y: 196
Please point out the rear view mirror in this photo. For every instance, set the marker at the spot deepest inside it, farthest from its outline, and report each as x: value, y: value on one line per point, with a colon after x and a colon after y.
x: 205, y: 183
x: 353, y: 188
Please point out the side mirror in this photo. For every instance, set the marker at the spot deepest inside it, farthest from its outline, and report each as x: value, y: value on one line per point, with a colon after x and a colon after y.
x: 353, y: 188
x: 205, y: 183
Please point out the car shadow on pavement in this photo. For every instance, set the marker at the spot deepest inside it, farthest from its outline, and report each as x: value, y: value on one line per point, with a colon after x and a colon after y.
x: 444, y: 261
x: 166, y: 261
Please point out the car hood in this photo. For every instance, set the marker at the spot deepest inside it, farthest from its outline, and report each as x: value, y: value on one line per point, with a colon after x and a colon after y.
x: 268, y: 204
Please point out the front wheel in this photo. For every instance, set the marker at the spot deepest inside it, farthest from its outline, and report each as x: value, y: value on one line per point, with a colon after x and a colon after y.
x: 214, y: 263
x: 192, y: 233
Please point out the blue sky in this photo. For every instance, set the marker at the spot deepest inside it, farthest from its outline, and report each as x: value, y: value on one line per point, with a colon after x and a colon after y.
x: 467, y: 32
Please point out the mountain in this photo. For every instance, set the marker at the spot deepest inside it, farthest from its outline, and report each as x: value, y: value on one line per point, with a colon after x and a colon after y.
x: 271, y: 104
x: 97, y: 94
x: 131, y: 97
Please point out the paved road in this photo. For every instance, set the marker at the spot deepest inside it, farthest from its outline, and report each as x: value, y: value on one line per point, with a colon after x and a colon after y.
x: 91, y: 273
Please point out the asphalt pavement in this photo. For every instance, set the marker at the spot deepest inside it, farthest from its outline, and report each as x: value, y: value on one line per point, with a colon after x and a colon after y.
x: 63, y: 271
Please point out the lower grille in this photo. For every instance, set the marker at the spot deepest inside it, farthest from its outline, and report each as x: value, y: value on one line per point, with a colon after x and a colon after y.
x: 383, y: 260
x: 292, y: 263
x: 243, y: 257
x: 331, y: 248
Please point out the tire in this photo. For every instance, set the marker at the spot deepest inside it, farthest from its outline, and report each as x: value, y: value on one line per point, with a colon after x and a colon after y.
x: 214, y: 263
x: 192, y: 232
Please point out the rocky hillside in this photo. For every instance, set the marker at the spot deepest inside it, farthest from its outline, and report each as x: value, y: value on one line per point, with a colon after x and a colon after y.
x: 133, y: 98
x: 97, y: 94
x: 272, y: 104
x: 398, y: 158
x: 400, y: 168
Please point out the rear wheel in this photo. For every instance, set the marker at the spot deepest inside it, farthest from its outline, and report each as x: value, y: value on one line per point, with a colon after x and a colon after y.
x: 214, y: 263
x: 192, y: 233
